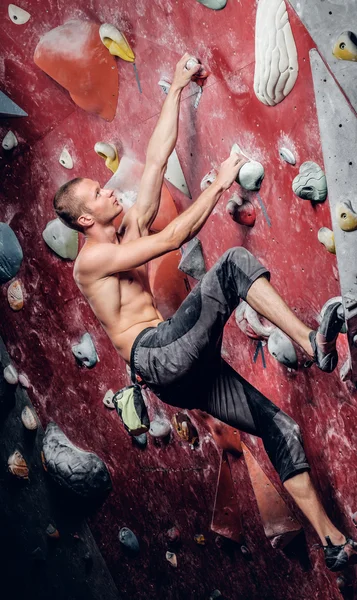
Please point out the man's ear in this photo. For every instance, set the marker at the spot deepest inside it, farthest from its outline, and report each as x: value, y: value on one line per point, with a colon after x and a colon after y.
x: 85, y: 220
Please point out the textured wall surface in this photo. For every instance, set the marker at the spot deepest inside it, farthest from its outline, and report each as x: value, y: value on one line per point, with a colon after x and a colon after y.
x: 170, y: 484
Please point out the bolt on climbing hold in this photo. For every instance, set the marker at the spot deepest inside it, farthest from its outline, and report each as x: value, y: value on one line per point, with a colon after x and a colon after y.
x: 10, y: 141
x: 65, y: 159
x: 282, y: 349
x: 61, y: 239
x: 214, y: 4
x: 165, y: 85
x: 18, y: 15
x: 251, y: 174
x: 346, y: 216
x: 160, y: 428
x: 327, y: 238
x: 171, y: 558
x: 215, y: 594
x: 15, y: 295
x: 11, y: 375
x: 192, y: 262
x: 243, y: 214
x: 24, y: 380
x: 28, y: 419
x: 17, y: 465
x: 129, y: 541
x: 85, y: 351
x: 310, y: 183
x: 140, y: 440
x: 109, y: 153
x: 10, y: 253
x: 108, y: 399
x: 52, y: 532
x: 173, y: 535
x: 200, y: 539
x: 346, y: 46
x: 208, y: 179
x: 287, y: 155
x: 118, y: 45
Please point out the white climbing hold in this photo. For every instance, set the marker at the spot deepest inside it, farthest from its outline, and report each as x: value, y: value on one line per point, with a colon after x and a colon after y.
x: 109, y: 153
x: 61, y: 239
x: 281, y: 347
x: 174, y: 174
x: 18, y: 15
x: 251, y: 323
x: 276, y: 60
x: 310, y: 183
x: 10, y: 141
x: 85, y: 351
x: 208, y: 179
x: 171, y: 558
x: 108, y: 399
x: 287, y: 155
x: 66, y: 159
x: 160, y: 428
x: 165, y: 85
x: 327, y: 238
x: 11, y: 375
x: 28, y: 419
x: 251, y: 174
x: 192, y: 62
x: 24, y: 380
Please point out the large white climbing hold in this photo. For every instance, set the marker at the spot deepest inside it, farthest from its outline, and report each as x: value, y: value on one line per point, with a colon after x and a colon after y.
x: 174, y: 174
x: 160, y: 428
x: 85, y: 351
x: 18, y: 15
x: 310, y: 183
x: 10, y: 141
x: 276, y: 61
x: 11, y: 375
x: 281, y: 347
x: 66, y: 159
x: 61, y: 239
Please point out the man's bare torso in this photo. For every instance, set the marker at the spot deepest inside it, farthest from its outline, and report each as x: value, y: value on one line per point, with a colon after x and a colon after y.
x: 123, y: 302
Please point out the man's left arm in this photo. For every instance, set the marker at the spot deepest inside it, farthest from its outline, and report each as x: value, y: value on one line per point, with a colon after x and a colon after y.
x: 161, y: 145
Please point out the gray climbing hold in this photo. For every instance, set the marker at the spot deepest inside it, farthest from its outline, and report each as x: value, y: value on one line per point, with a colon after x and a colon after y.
x: 171, y: 558
x: 10, y: 141
x: 8, y: 108
x: 85, y: 351
x: 108, y: 399
x: 281, y: 347
x: 11, y: 375
x: 311, y: 182
x: 61, y: 239
x: 192, y: 262
x: 10, y: 253
x: 159, y: 428
x: 287, y: 155
x: 18, y: 15
x: 214, y: 4
x: 140, y: 440
x: 76, y: 470
x: 251, y: 174
x: 66, y: 159
x: 129, y: 541
x: 215, y: 594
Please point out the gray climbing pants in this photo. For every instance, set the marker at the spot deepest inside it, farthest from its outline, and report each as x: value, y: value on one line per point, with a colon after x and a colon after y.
x: 180, y: 361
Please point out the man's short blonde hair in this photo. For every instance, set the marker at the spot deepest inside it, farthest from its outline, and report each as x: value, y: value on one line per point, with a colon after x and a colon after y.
x: 68, y: 205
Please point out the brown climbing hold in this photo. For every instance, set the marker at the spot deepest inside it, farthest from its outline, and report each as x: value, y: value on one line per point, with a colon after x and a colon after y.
x: 17, y: 465
x: 15, y: 296
x: 279, y: 524
x: 200, y: 539
x: 185, y: 428
x: 346, y: 216
x: 243, y: 214
x: 28, y: 419
x: 226, y: 519
x: 52, y: 532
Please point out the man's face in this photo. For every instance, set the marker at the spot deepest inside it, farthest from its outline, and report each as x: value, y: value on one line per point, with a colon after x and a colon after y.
x: 102, y: 204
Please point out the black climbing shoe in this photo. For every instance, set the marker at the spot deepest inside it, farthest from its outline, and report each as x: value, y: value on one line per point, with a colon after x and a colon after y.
x: 340, y: 557
x: 323, y: 341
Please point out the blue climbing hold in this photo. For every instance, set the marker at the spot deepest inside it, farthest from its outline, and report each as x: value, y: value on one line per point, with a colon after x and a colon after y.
x: 10, y: 253
x: 129, y: 541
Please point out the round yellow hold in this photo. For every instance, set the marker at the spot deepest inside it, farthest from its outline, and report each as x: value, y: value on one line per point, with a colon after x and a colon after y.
x: 346, y: 217
x: 346, y: 46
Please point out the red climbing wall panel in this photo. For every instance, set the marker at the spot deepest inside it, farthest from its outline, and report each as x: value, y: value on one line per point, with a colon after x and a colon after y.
x: 170, y: 484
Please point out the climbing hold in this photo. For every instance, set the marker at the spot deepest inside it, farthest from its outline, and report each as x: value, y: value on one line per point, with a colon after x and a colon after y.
x: 8, y: 108
x: 17, y: 465
x: 253, y: 325
x: 15, y: 296
x: 287, y: 155
x: 66, y: 159
x: 165, y: 85
x: 38, y: 555
x: 281, y: 348
x: 74, y: 56
x: 215, y: 594
x: 28, y: 419
x: 76, y: 470
x: 346, y: 46
x: 340, y: 312
x: 116, y: 42
x: 61, y: 239
x: 129, y: 541
x: 185, y: 429
x: 141, y: 440
x: 354, y: 519
x: 276, y: 61
x: 346, y: 216
x: 208, y: 179
x: 109, y: 153
x: 214, y: 4
x: 159, y: 428
x: 192, y: 62
x: 174, y: 174
x: 243, y: 214
x: 24, y: 380
x: 192, y: 262
x: 18, y: 15
x: 226, y: 517
x: 52, y: 532
x: 200, y: 539
x: 108, y: 399
x: 251, y: 174
x: 11, y: 375
x: 246, y: 552
x: 10, y: 253
x: 10, y: 141
x: 327, y: 238
x: 173, y: 535
x: 171, y: 558
x: 310, y: 183
x: 85, y: 351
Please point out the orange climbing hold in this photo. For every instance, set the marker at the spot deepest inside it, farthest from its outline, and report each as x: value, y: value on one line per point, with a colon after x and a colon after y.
x: 74, y: 56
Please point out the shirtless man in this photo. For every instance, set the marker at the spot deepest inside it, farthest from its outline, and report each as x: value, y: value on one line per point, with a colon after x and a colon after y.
x: 179, y: 359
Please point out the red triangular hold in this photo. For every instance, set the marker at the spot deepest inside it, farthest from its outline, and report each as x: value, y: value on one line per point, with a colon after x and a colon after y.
x: 226, y: 519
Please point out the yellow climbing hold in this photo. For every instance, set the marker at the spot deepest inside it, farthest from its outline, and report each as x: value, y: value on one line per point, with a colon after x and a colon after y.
x: 109, y: 153
x: 116, y: 42
x: 346, y: 216
x: 327, y: 238
x: 346, y: 46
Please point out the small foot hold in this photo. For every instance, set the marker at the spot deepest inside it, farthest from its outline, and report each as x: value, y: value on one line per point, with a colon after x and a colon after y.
x: 340, y: 557
x: 323, y: 341
x: 281, y: 347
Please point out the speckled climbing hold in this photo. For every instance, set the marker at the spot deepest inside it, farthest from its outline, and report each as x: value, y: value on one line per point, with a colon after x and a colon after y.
x: 85, y: 351
x: 346, y: 216
x: 346, y: 46
x: 28, y: 419
x: 10, y: 141
x: 185, y: 428
x: 15, y: 296
x: 173, y: 535
x: 10, y: 253
x: 327, y: 238
x: 109, y: 153
x: 52, y: 532
x: 129, y: 541
x: 281, y: 348
x: 243, y: 214
x: 11, y: 375
x: 18, y: 15
x: 251, y: 174
x: 61, y: 239
x: 24, y: 380
x: 171, y: 558
x: 159, y: 428
x: 214, y: 4
x: 73, y: 469
x: 108, y: 399
x: 140, y: 440
x: 215, y: 594
x: 310, y: 183
x: 287, y: 155
x: 116, y: 42
x: 192, y: 262
x: 66, y: 159
x: 17, y: 465
x: 208, y: 179
x: 200, y: 539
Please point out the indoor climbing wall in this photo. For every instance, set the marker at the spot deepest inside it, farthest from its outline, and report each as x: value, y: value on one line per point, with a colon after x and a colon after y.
x: 190, y: 509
